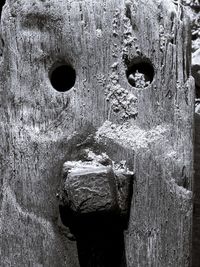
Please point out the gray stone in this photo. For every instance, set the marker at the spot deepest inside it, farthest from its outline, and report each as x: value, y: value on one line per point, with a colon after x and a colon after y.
x: 90, y: 188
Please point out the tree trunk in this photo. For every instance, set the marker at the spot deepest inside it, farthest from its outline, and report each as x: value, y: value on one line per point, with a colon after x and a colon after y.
x: 116, y: 72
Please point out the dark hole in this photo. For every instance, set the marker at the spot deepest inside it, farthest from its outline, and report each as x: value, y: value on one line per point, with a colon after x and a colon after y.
x: 140, y: 74
x: 100, y: 240
x: 63, y: 78
x: 2, y: 3
x: 104, y: 248
x: 197, y: 91
x: 128, y: 12
x: 1, y: 46
x: 194, y: 36
x: 195, y: 71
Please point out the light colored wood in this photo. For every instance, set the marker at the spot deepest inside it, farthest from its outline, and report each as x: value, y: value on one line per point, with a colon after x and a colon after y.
x: 40, y: 127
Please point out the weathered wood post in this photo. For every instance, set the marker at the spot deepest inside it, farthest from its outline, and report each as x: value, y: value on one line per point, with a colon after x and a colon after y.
x: 102, y: 88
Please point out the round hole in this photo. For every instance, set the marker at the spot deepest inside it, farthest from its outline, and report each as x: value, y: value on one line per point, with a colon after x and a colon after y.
x: 63, y: 78
x: 140, y: 74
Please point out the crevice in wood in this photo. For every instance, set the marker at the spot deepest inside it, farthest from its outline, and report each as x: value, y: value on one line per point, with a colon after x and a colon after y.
x: 128, y: 12
x: 197, y: 91
x: 1, y: 46
x: 100, y: 239
x: 104, y: 249
x: 2, y: 3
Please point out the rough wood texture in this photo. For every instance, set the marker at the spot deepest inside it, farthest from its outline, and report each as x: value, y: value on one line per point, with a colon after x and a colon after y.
x: 192, y: 9
x: 40, y: 127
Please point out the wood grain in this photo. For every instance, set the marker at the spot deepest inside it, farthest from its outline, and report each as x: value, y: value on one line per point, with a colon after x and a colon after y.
x: 40, y: 127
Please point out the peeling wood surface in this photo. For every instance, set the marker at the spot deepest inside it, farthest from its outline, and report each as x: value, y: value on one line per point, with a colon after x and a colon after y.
x: 40, y: 127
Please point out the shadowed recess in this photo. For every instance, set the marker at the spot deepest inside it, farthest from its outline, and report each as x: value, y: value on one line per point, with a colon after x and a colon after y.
x: 100, y: 238
x: 63, y: 78
x: 195, y: 71
x: 140, y: 73
x: 102, y: 249
x: 2, y: 3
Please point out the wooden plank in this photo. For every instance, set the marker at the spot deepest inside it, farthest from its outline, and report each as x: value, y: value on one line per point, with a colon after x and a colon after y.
x: 108, y: 44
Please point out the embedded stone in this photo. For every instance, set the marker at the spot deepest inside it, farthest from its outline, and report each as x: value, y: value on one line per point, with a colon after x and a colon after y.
x: 89, y: 187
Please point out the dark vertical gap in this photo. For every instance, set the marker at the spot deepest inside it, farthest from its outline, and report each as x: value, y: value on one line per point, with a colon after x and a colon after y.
x: 103, y: 249
x: 196, y: 193
x: 100, y: 238
x: 197, y: 91
x: 2, y: 3
x: 196, y: 181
